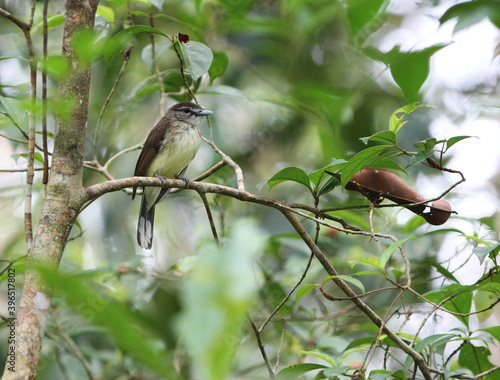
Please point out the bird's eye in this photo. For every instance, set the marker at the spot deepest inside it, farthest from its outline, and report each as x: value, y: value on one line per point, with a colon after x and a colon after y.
x: 186, y: 110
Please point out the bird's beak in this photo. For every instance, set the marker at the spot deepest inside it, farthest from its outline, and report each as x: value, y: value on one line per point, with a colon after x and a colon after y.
x: 204, y: 113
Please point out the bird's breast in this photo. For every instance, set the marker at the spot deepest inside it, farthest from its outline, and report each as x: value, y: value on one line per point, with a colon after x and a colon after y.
x: 176, y: 153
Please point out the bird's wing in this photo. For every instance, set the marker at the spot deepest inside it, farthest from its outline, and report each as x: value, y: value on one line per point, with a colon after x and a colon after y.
x: 152, y: 146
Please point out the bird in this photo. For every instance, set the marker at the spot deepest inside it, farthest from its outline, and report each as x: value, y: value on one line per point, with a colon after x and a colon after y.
x: 169, y: 148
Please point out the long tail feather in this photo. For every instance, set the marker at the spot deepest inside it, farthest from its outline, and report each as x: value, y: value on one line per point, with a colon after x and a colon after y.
x: 145, y: 224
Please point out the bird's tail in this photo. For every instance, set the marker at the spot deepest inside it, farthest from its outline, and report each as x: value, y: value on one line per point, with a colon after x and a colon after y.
x: 145, y: 224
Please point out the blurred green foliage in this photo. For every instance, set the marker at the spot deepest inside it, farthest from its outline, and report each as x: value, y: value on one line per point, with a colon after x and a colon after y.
x: 296, y: 88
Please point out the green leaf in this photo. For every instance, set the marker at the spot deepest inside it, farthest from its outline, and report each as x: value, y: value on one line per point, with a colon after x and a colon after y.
x: 379, y: 374
x: 397, y: 119
x: 57, y: 66
x: 452, y: 141
x: 293, y: 372
x: 319, y: 355
x: 304, y: 290
x: 420, y: 346
x: 368, y: 272
x: 38, y: 157
x: 412, y: 224
x: 401, y: 63
x: 106, y: 12
x: 445, y: 272
x: 198, y: 58
x: 361, y: 342
x: 119, y: 42
x: 460, y: 301
x: 416, y: 63
x: 324, y: 182
x: 472, y: 12
x: 352, y: 218
x: 427, y: 144
x: 384, y: 162
x: 291, y: 173
x: 483, y: 252
x: 12, y: 57
x: 478, y: 240
x: 359, y: 161
x: 331, y: 373
x: 329, y: 185
x: 348, y: 279
x: 475, y: 358
x: 371, y: 261
x: 495, y: 331
x: 52, y: 23
x: 386, y: 255
x: 218, y: 66
x: 419, y: 157
x: 362, y: 16
x: 383, y: 136
x: 487, y: 295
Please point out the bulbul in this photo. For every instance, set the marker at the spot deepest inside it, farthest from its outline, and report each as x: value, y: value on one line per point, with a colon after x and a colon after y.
x: 169, y: 148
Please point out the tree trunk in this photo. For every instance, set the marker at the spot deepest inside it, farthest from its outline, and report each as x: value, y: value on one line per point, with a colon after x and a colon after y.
x: 63, y: 196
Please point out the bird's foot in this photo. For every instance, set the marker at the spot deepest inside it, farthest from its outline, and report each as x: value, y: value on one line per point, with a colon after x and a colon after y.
x: 162, y: 178
x: 186, y: 181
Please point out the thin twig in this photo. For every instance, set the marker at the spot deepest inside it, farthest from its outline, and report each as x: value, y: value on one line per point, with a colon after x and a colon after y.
x: 26, y: 28
x: 288, y: 295
x: 74, y: 348
x: 229, y: 161
x: 261, y: 348
x: 108, y: 99
x: 175, y: 41
x: 281, y: 343
x: 210, y: 218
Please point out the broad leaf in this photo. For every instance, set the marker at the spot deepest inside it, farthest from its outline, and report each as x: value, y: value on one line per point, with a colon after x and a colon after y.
x: 419, y: 157
x: 304, y: 290
x: 460, y: 300
x: 397, y: 119
x: 384, y: 136
x: 371, y: 261
x: 295, y: 371
x: 218, y: 66
x: 472, y: 12
x: 348, y: 279
x: 483, y: 252
x: 359, y: 161
x: 291, y: 173
x: 198, y: 58
x: 106, y: 12
x: 475, y: 358
x: 454, y: 140
x: 386, y: 255
x: 427, y: 144
x: 319, y: 355
x: 420, y: 346
x: 402, y: 63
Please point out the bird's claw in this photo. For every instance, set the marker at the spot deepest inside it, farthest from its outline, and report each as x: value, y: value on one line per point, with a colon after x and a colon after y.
x: 186, y: 181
